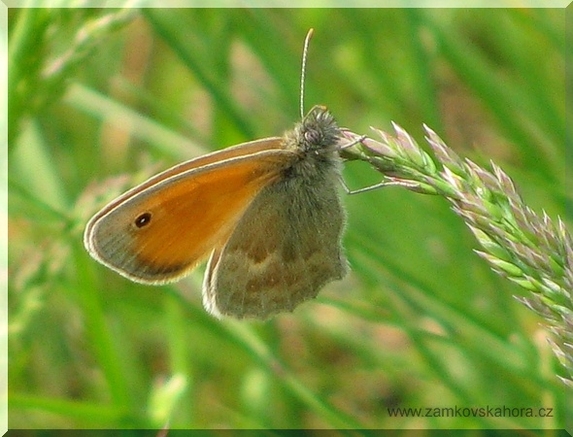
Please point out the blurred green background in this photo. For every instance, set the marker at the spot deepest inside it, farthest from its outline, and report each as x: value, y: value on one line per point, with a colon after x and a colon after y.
x: 101, y: 99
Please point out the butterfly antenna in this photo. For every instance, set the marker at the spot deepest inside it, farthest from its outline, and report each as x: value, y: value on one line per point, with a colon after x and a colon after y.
x: 303, y: 72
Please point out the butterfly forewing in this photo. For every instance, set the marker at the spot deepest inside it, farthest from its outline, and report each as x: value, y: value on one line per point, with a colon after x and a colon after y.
x: 163, y: 230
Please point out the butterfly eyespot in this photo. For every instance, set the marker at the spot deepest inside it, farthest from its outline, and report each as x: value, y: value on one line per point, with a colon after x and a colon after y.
x: 142, y: 220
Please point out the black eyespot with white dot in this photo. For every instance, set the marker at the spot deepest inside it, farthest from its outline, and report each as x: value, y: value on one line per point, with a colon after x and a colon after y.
x: 142, y: 220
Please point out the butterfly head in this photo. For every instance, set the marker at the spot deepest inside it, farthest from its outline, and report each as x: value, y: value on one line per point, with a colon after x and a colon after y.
x: 316, y: 134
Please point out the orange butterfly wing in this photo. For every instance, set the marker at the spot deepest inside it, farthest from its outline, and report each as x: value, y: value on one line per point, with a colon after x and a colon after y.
x: 158, y: 231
